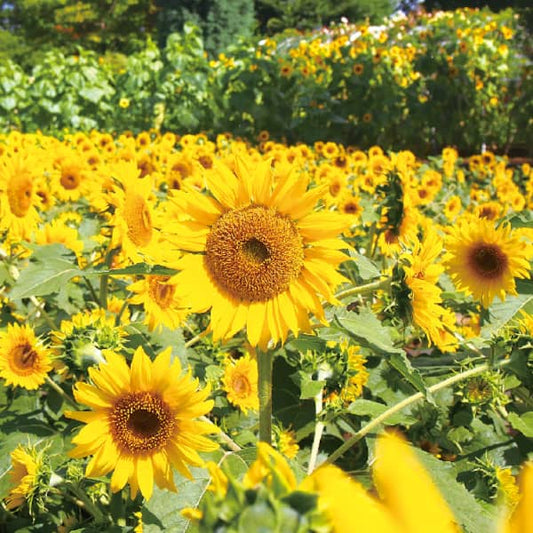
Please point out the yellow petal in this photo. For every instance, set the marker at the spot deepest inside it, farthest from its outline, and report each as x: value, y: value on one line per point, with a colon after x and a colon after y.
x: 408, y: 490
x: 346, y: 503
x: 521, y: 519
x: 123, y: 471
x: 145, y: 476
x: 141, y: 370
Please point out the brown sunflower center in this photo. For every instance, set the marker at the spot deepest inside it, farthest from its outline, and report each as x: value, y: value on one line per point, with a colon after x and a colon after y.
x: 160, y: 291
x: 241, y: 386
x: 141, y: 423
x: 19, y: 192
x: 488, y: 260
x: 69, y: 180
x: 138, y: 219
x: 254, y: 253
x: 24, y: 357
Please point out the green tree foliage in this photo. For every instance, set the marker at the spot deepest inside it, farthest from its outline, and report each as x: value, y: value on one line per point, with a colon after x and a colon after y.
x: 221, y: 21
x: 35, y: 26
x: 277, y: 15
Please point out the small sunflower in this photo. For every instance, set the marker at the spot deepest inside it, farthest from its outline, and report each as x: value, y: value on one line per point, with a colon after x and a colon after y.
x: 240, y: 383
x: 26, y: 465
x: 158, y: 296
x: 134, y: 229
x: 18, y: 194
x: 263, y: 256
x: 484, y: 259
x: 24, y: 360
x: 142, y: 421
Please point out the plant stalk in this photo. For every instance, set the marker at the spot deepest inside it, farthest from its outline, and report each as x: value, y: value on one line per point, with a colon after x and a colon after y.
x: 373, y: 424
x: 364, y: 289
x: 264, y: 364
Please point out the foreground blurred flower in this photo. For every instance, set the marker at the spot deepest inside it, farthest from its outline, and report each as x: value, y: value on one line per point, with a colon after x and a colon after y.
x: 26, y: 469
x: 483, y: 259
x: 262, y: 256
x: 142, y: 422
x: 24, y: 361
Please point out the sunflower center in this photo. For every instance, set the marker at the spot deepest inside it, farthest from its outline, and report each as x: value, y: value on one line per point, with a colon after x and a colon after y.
x: 161, y: 291
x: 488, y: 260
x: 24, y: 356
x: 19, y: 194
x: 69, y: 181
x: 138, y: 220
x: 254, y: 253
x: 241, y: 386
x: 141, y: 423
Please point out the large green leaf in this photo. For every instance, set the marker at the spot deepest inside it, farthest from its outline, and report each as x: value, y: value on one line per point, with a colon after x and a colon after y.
x: 362, y: 407
x: 51, y: 267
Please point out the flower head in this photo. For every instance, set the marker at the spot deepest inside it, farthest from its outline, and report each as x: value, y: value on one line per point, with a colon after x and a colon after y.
x: 263, y: 257
x: 240, y: 383
x: 24, y: 360
x: 142, y: 421
x: 483, y: 259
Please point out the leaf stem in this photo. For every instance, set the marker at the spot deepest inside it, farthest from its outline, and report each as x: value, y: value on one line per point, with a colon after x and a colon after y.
x: 61, y: 392
x: 364, y: 289
x: 264, y: 364
x: 365, y: 430
x: 40, y: 309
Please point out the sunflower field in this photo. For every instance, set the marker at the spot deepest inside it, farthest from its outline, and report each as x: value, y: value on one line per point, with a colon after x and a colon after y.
x: 247, y: 312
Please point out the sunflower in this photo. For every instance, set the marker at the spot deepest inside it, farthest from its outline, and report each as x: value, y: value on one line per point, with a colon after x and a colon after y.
x: 240, y: 383
x: 134, y: 218
x: 18, y: 194
x: 142, y: 421
x: 483, y: 259
x: 158, y: 296
x: 24, y: 361
x: 263, y: 256
x: 24, y: 476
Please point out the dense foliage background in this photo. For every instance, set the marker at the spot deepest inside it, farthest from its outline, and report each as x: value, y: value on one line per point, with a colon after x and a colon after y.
x: 413, y: 81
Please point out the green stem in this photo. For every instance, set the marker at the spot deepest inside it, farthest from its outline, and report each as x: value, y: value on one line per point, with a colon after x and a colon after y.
x: 319, y: 428
x: 42, y: 310
x: 365, y: 430
x: 104, y: 278
x: 224, y: 437
x: 364, y: 289
x: 61, y: 392
x: 264, y: 364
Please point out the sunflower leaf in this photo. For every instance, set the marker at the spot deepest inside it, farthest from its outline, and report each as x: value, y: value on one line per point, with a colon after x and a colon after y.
x: 51, y: 267
x: 522, y: 423
x: 502, y: 313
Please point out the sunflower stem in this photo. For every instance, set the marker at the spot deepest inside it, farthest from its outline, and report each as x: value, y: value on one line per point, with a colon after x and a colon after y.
x: 61, y: 392
x: 364, y: 289
x: 40, y: 309
x: 319, y: 429
x: 264, y: 367
x: 104, y: 278
x: 373, y: 424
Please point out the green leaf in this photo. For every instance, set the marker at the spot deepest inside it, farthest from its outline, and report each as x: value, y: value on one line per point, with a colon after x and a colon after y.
x: 365, y: 327
x: 503, y: 312
x: 522, y: 423
x: 51, y: 268
x: 366, y: 268
x: 400, y: 362
x: 138, y: 269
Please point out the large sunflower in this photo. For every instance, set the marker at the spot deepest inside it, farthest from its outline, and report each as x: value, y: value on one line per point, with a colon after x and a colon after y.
x: 142, y: 421
x: 483, y: 259
x: 24, y: 361
x: 262, y: 258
